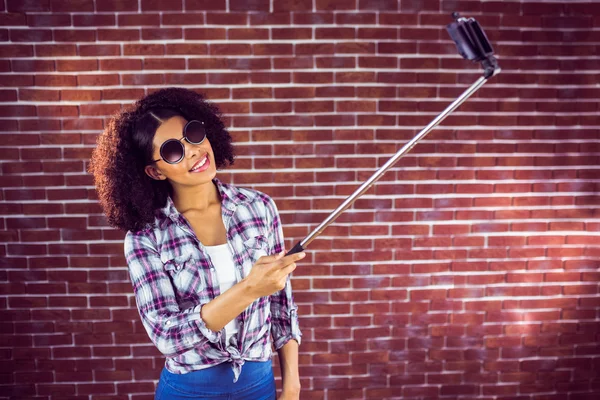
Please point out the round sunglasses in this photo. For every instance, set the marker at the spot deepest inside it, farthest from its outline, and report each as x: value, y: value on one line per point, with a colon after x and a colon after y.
x: 172, y: 151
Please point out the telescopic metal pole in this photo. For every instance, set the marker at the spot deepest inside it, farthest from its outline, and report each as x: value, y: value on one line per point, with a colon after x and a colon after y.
x: 472, y: 44
x: 300, y: 246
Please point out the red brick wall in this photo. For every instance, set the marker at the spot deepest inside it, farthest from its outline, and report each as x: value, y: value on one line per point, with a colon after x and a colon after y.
x: 469, y: 272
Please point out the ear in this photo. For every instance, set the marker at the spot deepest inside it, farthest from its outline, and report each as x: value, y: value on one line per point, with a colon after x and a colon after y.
x: 154, y: 173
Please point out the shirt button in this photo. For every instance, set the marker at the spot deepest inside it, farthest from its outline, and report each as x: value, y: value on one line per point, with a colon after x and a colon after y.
x: 168, y: 323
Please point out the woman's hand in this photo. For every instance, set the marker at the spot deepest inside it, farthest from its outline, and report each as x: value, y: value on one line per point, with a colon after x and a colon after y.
x: 270, y: 273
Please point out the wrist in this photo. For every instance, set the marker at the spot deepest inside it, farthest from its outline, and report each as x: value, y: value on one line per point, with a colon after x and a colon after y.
x: 247, y: 291
x: 291, y: 389
x: 291, y: 384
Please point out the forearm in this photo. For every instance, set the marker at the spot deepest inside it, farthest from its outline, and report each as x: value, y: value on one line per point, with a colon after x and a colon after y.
x: 288, y: 361
x: 227, y: 306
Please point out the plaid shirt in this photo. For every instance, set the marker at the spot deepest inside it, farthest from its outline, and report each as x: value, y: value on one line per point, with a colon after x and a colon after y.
x: 173, y: 277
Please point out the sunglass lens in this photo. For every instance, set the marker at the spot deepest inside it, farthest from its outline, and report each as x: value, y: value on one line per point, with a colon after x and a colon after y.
x: 195, y: 132
x: 172, y: 151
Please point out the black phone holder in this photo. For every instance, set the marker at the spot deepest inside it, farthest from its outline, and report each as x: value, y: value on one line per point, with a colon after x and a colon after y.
x: 472, y: 43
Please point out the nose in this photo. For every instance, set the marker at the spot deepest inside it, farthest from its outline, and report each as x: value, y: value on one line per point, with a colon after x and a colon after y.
x: 191, y: 150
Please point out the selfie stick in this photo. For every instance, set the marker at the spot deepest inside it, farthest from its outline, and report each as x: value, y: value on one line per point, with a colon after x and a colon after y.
x: 472, y: 44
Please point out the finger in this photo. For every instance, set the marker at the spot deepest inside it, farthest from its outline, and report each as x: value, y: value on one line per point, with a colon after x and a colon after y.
x: 288, y: 269
x: 287, y: 260
x: 285, y: 272
x: 271, y: 258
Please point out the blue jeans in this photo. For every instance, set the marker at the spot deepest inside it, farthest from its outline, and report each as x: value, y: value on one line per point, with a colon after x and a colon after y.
x: 256, y: 382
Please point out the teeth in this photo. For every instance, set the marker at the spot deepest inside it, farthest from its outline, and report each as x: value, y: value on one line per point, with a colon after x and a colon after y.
x: 200, y: 165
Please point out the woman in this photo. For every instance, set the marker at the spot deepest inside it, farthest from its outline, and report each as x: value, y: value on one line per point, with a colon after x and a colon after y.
x: 206, y: 259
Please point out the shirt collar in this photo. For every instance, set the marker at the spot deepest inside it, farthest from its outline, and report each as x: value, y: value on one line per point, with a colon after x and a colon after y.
x: 231, y: 197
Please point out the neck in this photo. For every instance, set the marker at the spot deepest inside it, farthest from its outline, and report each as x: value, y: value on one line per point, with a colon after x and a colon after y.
x: 197, y: 198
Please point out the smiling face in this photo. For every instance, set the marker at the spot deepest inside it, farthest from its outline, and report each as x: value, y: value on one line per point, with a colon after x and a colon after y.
x: 198, y: 164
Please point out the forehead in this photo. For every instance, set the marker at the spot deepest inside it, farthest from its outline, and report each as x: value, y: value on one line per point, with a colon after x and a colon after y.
x: 171, y: 128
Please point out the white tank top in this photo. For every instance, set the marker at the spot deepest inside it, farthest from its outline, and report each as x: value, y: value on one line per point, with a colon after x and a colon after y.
x: 222, y: 259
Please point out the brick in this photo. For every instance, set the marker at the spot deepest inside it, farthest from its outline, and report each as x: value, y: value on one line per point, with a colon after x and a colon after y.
x: 291, y: 34
x: 161, y: 5
x: 94, y: 20
x: 76, y: 65
x: 17, y: 50
x: 80, y: 95
x: 99, y: 50
x: 74, y: 35
x: 334, y: 5
x: 293, y: 5
x: 31, y: 35
x: 249, y: 5
x: 118, y: 35
x: 117, y: 5
x: 32, y: 65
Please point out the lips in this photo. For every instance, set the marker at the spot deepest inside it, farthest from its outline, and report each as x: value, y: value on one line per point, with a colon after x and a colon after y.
x: 200, y: 163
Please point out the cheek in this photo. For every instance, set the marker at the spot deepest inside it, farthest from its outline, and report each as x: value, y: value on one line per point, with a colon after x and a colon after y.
x: 208, y: 147
x: 174, y: 170
x: 207, y: 144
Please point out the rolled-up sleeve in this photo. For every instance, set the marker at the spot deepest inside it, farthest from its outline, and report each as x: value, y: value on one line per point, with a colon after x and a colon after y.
x: 172, y: 330
x: 284, y: 312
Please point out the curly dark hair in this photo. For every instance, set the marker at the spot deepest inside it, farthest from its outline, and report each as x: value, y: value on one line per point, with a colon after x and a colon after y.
x: 129, y: 197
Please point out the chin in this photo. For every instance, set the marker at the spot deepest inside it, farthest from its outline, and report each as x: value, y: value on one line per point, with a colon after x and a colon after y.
x: 208, y: 175
x: 212, y: 174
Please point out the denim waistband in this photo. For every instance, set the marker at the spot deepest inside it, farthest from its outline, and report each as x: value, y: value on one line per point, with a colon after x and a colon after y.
x: 219, y: 378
